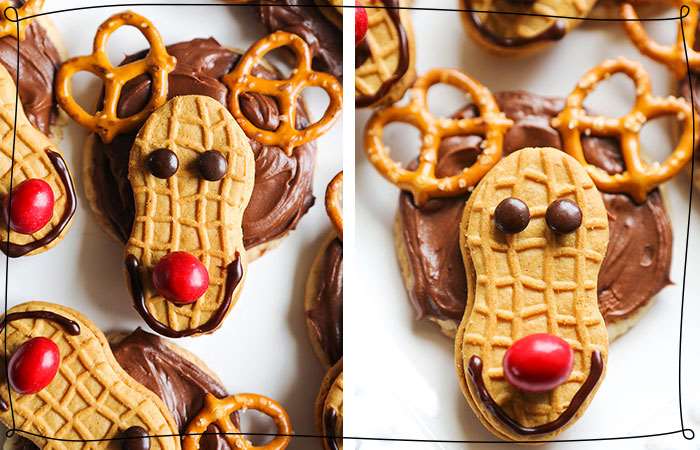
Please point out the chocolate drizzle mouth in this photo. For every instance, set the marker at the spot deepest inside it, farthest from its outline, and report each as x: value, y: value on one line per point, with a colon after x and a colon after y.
x: 330, y: 420
x: 393, y: 10
x: 234, y: 275
x: 554, y: 32
x: 17, y: 250
x: 475, y: 374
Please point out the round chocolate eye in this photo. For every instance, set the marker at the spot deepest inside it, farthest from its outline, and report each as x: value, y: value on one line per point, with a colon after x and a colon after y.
x: 162, y: 163
x: 212, y: 165
x: 563, y: 216
x: 512, y: 215
x: 135, y: 438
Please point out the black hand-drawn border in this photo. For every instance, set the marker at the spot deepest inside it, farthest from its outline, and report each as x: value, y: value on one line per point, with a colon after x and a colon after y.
x: 687, y: 433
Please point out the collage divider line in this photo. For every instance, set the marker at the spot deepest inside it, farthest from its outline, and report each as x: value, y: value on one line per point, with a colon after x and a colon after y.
x: 687, y: 433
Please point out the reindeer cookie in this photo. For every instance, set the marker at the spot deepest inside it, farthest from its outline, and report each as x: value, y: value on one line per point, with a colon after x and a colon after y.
x: 329, y: 408
x: 531, y: 350
x: 79, y: 392
x: 192, y: 171
x: 41, y: 207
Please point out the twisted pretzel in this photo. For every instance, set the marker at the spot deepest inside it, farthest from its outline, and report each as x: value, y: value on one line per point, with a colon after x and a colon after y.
x: 218, y: 411
x: 422, y: 182
x: 673, y: 56
x: 286, y: 92
x: 334, y: 208
x: 157, y: 62
x: 9, y: 27
x: 639, y: 177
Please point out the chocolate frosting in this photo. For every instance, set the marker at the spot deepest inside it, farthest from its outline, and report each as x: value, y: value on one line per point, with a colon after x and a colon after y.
x: 39, y: 61
x: 638, y: 259
x: 179, y: 382
x: 301, y: 17
x: 283, y: 184
x: 326, y: 315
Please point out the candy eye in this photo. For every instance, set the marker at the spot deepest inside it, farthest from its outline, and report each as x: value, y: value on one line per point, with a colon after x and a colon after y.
x: 511, y: 215
x: 563, y: 216
x: 162, y: 163
x: 212, y: 165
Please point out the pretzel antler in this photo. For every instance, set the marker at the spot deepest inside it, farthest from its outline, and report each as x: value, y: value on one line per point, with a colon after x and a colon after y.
x: 157, y: 62
x: 218, y: 412
x: 8, y: 27
x: 639, y: 177
x: 334, y: 199
x: 422, y: 182
x: 286, y: 92
x: 672, y: 56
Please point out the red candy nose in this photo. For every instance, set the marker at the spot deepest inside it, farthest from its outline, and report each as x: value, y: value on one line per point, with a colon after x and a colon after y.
x: 360, y: 24
x: 180, y: 278
x: 34, y: 365
x: 32, y: 206
x: 538, y: 362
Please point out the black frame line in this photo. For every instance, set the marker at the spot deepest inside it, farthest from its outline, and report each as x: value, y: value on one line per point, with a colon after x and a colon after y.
x: 687, y: 433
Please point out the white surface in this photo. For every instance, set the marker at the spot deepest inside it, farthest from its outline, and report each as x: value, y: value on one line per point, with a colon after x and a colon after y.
x: 400, y: 374
x: 262, y: 346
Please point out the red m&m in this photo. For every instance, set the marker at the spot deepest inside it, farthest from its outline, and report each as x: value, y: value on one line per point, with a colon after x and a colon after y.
x: 32, y: 206
x: 180, y: 277
x: 538, y: 362
x: 360, y: 24
x: 34, y: 365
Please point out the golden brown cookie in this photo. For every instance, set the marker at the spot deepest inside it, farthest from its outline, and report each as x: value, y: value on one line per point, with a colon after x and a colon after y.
x: 89, y: 396
x: 532, y: 272
x: 44, y: 199
x: 192, y: 171
x: 385, y: 60
x: 329, y: 408
x: 513, y: 34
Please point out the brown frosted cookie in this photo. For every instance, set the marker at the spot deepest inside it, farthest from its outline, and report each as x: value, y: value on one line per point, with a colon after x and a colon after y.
x: 314, y: 25
x: 283, y: 184
x: 514, y: 34
x: 329, y: 408
x: 638, y: 260
x: 41, y: 52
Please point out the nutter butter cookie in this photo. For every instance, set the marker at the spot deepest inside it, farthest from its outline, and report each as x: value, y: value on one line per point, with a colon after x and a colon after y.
x: 283, y: 183
x: 638, y: 259
x: 531, y: 349
x: 527, y: 30
x: 40, y: 54
x: 385, y: 60
x: 329, y: 408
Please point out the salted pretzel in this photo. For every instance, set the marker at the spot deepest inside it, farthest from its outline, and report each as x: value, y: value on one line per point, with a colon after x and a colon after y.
x: 422, y: 181
x: 218, y: 412
x: 286, y: 92
x: 334, y: 208
x: 639, y: 177
x: 672, y: 56
x: 11, y: 19
x: 158, y: 63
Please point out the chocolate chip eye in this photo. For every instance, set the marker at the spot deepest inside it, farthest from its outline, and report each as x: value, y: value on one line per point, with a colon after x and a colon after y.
x: 512, y: 215
x: 563, y: 216
x: 212, y: 165
x: 162, y: 163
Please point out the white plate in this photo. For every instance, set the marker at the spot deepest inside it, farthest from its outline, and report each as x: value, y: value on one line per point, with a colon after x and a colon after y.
x: 262, y: 346
x: 400, y: 374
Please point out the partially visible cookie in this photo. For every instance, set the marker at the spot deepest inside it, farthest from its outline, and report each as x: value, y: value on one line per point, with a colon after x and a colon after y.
x: 329, y: 408
x: 43, y: 195
x: 385, y: 60
x: 105, y: 401
x: 521, y: 34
